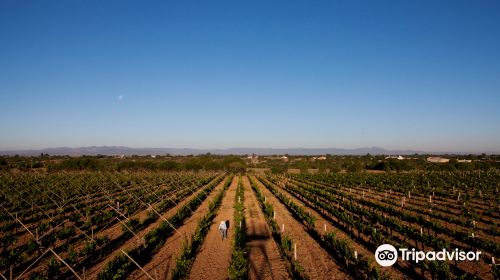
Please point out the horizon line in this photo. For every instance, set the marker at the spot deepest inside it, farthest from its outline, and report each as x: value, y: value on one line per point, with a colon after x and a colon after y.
x: 395, y: 150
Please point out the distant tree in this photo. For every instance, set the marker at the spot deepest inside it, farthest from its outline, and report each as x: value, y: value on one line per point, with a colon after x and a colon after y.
x: 192, y: 165
x: 169, y: 165
x: 236, y: 167
x: 356, y: 166
x: 277, y: 169
x: 83, y: 163
x: 213, y: 165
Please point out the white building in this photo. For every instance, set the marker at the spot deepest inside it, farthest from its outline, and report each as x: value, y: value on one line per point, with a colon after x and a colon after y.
x: 395, y: 157
x: 438, y: 160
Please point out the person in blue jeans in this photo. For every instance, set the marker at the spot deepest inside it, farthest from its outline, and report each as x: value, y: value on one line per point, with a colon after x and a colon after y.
x: 223, y: 229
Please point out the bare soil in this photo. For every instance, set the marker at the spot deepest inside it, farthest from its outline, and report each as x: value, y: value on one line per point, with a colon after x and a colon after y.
x: 132, y: 242
x: 316, y: 263
x: 265, y: 261
x: 324, y: 226
x: 162, y: 263
x: 212, y: 261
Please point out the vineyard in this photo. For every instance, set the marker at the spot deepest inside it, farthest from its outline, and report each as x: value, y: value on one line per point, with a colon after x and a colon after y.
x: 164, y: 225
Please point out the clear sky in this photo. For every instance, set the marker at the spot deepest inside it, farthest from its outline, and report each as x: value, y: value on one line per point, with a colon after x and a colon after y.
x: 421, y: 75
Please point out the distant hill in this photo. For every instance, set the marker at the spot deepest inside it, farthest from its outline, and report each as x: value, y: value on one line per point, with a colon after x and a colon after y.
x: 119, y: 150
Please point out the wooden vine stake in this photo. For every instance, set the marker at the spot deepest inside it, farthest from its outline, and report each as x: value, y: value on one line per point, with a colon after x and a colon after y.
x: 282, y: 228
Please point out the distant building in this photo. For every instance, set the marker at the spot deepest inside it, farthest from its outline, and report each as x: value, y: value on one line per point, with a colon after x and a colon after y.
x: 153, y: 156
x: 395, y: 157
x: 284, y: 158
x: 438, y: 160
x: 464, y: 160
x: 319, y: 158
x: 254, y: 159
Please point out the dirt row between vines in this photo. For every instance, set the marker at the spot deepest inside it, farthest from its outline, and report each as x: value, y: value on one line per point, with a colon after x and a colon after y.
x: 481, y: 228
x: 323, y: 226
x: 24, y: 236
x: 483, y: 223
x: 311, y: 256
x: 162, y: 263
x: 112, y: 231
x: 212, y: 261
x: 479, y: 269
x: 132, y: 242
x: 265, y: 261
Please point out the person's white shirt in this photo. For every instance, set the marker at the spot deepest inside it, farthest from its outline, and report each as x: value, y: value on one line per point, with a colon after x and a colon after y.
x: 222, y: 225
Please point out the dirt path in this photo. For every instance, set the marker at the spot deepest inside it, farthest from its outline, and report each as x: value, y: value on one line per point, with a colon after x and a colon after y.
x: 264, y: 258
x: 213, y: 260
x: 316, y: 262
x: 162, y: 263
x: 132, y: 242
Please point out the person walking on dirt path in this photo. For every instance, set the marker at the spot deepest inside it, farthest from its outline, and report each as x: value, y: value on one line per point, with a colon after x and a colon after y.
x: 223, y: 229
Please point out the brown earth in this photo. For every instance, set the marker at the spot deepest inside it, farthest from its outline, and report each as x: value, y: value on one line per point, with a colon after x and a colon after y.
x: 265, y: 261
x: 132, y: 242
x: 315, y: 261
x: 162, y: 263
x: 324, y: 226
x: 479, y: 269
x: 212, y: 261
x: 112, y: 231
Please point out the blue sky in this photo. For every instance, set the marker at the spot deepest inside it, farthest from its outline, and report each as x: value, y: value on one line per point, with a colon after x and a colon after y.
x: 421, y: 75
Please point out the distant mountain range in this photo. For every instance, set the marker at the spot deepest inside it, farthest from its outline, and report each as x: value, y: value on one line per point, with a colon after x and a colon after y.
x: 119, y: 150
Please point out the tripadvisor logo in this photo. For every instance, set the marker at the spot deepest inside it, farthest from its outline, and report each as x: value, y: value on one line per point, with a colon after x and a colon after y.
x: 387, y: 255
